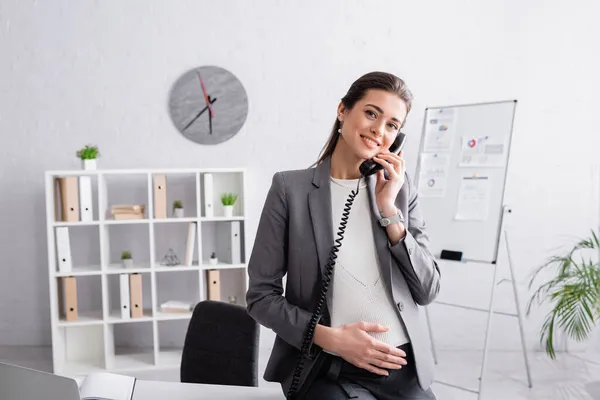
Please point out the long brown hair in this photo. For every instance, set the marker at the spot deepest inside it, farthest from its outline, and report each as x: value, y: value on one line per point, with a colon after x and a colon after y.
x: 372, y: 80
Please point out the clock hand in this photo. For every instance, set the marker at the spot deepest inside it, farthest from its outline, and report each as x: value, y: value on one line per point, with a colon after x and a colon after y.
x: 198, y: 115
x: 206, y: 96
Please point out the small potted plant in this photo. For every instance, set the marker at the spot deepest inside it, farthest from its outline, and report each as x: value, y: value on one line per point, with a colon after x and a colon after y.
x: 228, y: 200
x: 127, y: 259
x: 178, y: 209
x: 213, y: 260
x: 88, y: 156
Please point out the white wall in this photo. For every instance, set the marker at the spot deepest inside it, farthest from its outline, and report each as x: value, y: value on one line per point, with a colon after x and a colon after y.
x: 99, y: 72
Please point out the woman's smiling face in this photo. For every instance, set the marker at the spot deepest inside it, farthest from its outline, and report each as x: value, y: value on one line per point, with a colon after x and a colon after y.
x: 371, y: 126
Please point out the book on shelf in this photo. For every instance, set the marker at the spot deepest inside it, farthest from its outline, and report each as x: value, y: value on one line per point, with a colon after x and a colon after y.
x: 128, y: 216
x: 127, y: 208
x: 126, y: 211
x: 105, y: 386
x: 174, y: 306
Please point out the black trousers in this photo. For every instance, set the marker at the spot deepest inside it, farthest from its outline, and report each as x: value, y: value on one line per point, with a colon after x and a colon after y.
x: 336, y: 379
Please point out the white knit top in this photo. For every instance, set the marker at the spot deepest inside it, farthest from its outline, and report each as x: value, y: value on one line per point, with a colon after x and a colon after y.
x: 358, y: 293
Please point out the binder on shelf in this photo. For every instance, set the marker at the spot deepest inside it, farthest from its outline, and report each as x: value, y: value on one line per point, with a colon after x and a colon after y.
x: 235, y: 243
x: 124, y: 291
x: 67, y: 294
x: 208, y: 195
x: 69, y: 199
x: 229, y: 239
x: 160, y: 196
x: 63, y: 249
x: 191, y: 242
x: 214, y: 284
x: 135, y: 293
x: 85, y: 199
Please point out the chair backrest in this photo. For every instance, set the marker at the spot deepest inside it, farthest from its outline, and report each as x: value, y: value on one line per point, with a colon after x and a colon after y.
x: 221, y: 346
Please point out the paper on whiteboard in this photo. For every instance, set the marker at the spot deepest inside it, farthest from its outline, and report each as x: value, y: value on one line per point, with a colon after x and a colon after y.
x: 440, y: 124
x: 483, y: 151
x: 433, y: 174
x: 473, y: 198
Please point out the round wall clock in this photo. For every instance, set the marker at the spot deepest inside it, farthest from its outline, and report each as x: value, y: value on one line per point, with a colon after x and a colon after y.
x: 208, y: 105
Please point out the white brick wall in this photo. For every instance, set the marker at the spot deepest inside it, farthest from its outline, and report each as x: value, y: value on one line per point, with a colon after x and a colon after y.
x: 100, y: 72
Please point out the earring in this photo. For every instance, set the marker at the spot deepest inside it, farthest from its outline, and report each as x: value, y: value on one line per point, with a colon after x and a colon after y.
x: 339, y: 130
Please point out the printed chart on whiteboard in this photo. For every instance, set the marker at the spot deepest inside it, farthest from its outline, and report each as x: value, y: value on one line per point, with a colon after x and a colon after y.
x: 440, y: 128
x: 473, y: 198
x: 434, y: 175
x: 482, y: 151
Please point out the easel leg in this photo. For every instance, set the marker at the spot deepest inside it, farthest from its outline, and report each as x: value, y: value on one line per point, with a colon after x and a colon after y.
x: 435, y: 360
x: 518, y: 306
x: 487, y: 332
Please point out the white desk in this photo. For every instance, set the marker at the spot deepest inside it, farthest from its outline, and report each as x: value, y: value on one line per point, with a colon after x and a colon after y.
x: 154, y: 390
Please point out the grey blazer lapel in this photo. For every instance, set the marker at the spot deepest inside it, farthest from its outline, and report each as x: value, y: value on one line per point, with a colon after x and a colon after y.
x: 319, y: 204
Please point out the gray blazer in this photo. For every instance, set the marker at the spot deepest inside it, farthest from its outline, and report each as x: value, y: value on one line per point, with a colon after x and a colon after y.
x: 295, y: 236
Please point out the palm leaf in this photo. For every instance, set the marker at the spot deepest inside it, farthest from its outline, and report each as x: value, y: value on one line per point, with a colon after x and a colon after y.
x: 574, y: 292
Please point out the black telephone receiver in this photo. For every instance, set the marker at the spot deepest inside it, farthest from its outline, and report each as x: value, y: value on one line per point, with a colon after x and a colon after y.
x: 367, y: 168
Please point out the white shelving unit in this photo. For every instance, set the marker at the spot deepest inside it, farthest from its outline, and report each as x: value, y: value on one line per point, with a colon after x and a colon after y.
x: 91, y: 343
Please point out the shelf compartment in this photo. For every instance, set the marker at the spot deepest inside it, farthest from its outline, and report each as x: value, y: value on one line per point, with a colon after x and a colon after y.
x: 124, y: 189
x: 77, y: 249
x: 225, y: 240
x: 75, y: 199
x: 115, y: 303
x: 230, y: 283
x: 79, y: 349
x: 176, y: 244
x: 178, y: 286
x: 169, y: 187
x: 214, y: 185
x: 130, y: 346
x: 171, y: 337
x: 168, y: 359
x: 134, y: 238
x: 79, y: 300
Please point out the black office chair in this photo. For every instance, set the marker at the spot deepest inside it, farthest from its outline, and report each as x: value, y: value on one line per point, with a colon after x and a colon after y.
x: 221, y: 346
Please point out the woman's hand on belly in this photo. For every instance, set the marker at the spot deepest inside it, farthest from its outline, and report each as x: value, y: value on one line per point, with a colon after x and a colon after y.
x: 353, y: 343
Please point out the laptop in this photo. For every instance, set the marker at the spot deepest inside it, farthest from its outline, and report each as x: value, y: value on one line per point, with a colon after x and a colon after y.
x: 20, y: 383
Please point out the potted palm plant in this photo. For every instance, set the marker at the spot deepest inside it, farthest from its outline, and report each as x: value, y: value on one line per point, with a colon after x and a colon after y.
x: 88, y: 156
x: 573, y: 291
x: 228, y: 200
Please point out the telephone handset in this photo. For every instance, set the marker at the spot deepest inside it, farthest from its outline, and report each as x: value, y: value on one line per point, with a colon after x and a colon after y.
x: 367, y: 168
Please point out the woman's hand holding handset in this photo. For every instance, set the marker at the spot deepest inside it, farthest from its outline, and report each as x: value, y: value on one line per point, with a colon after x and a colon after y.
x: 353, y: 343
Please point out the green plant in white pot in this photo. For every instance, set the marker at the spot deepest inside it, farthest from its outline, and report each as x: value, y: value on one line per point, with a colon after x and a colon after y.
x: 573, y: 291
x: 88, y: 156
x: 127, y: 259
x: 178, y: 209
x: 228, y: 201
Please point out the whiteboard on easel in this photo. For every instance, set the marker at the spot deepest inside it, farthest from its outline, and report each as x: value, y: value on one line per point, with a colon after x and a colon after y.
x: 461, y: 176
